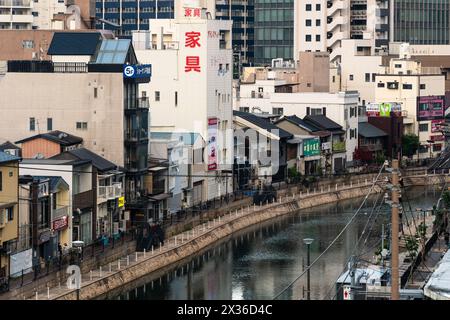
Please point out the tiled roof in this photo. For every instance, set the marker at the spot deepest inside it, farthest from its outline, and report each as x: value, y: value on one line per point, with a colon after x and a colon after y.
x: 6, y: 157
x: 59, y: 137
x: 262, y: 123
x: 368, y: 130
x: 323, y: 122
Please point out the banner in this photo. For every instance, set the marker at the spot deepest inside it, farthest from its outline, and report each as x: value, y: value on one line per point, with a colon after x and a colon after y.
x: 436, y: 125
x: 430, y: 108
x: 212, y: 144
x: 21, y: 261
x: 384, y: 109
x: 311, y: 147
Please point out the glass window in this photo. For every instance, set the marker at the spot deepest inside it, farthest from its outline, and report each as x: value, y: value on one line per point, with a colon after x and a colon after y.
x: 32, y: 124
x: 367, y: 77
x: 308, y: 38
x: 318, y: 7
x: 49, y: 124
x: 423, y: 127
x: 308, y: 7
x: 317, y: 22
x: 317, y: 37
x: 308, y: 22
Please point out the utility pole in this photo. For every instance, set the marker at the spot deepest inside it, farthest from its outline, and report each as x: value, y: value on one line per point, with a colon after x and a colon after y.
x: 394, y: 233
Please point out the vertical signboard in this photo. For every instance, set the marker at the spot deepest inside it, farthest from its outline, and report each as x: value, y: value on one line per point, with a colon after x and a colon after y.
x: 311, y: 147
x: 212, y: 143
x: 430, y: 108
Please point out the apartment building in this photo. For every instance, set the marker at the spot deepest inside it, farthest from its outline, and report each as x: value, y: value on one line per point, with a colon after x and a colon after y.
x: 16, y: 14
x: 191, y: 90
x: 9, y: 210
x: 92, y: 98
x: 420, y: 93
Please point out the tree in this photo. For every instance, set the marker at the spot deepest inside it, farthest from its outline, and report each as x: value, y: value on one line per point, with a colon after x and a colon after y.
x: 410, y: 144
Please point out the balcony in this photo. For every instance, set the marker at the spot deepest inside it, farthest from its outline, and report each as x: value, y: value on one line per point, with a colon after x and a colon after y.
x: 105, y: 193
x: 136, y: 135
x: 61, y: 212
x: 83, y: 200
x: 16, y: 3
x: 381, y: 27
x: 158, y: 187
x: 339, y: 146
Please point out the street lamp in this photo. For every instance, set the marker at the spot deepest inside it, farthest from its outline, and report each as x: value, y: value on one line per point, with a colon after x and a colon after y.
x: 308, y: 242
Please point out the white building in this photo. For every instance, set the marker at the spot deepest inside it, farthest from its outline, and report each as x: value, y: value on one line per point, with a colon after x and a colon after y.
x: 341, y: 107
x: 16, y: 14
x: 421, y: 94
x: 321, y: 25
x: 191, y: 89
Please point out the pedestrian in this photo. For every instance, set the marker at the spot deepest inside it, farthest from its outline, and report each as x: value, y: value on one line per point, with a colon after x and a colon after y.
x: 446, y: 237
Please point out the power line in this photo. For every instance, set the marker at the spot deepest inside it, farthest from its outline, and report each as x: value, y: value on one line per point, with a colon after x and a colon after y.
x: 337, y: 237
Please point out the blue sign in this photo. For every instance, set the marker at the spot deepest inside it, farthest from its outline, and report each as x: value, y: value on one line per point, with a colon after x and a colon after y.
x: 136, y: 71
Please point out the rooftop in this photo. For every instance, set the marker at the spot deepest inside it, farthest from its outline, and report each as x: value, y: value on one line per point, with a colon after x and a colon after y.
x: 60, y: 137
x: 8, y: 146
x: 74, y: 43
x: 262, y: 123
x: 323, y: 122
x: 6, y: 157
x: 84, y: 154
x: 368, y: 130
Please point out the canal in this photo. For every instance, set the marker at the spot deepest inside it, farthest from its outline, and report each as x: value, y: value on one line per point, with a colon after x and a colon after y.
x: 258, y: 262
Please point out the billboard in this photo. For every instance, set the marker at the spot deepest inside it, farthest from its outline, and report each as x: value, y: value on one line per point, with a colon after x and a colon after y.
x: 436, y: 125
x: 136, y: 71
x: 311, y: 147
x: 430, y: 108
x: 212, y: 143
x: 21, y: 261
x: 384, y: 109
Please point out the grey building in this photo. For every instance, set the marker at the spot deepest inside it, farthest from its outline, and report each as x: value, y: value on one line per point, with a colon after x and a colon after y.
x: 421, y: 21
x: 274, y: 30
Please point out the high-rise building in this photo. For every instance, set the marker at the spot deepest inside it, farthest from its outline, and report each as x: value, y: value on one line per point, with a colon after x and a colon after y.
x: 16, y: 14
x: 274, y: 30
x: 242, y: 14
x: 321, y: 25
x: 126, y: 16
x: 421, y: 21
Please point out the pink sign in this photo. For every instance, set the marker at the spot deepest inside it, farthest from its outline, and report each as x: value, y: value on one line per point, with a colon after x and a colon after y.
x: 212, y: 143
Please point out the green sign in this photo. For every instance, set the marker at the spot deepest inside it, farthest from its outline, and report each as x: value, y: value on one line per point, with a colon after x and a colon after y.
x: 385, y: 109
x: 311, y: 147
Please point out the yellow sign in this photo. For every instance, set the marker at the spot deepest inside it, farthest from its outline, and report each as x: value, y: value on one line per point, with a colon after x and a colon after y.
x: 121, y: 202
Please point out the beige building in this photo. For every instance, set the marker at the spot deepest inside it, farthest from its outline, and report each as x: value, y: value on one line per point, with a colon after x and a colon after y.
x: 421, y: 93
x: 9, y: 208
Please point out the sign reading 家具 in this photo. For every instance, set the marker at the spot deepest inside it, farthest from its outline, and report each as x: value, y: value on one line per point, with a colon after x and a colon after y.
x: 311, y: 147
x: 136, y: 71
x: 430, y: 108
x: 212, y: 143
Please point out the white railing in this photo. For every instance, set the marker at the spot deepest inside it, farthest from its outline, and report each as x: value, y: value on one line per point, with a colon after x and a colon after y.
x: 109, y: 192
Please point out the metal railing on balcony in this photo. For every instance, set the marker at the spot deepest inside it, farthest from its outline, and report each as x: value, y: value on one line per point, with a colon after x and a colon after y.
x: 60, y: 212
x: 111, y: 192
x: 136, y: 135
x: 15, y: 3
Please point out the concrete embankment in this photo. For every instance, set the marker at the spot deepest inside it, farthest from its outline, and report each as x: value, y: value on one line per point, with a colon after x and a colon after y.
x: 204, y: 237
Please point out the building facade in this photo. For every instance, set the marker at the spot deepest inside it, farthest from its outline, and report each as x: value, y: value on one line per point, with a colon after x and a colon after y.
x: 274, y: 30
x: 192, y: 87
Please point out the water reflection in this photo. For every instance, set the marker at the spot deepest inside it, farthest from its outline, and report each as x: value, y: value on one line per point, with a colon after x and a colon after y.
x: 258, y: 262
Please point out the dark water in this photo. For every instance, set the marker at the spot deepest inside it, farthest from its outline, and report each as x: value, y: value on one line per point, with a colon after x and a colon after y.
x: 262, y: 260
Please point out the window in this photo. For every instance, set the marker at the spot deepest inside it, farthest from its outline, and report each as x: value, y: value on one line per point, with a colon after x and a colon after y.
x: 367, y: 77
x: 244, y: 109
x: 176, y: 98
x: 350, y: 77
x: 316, y: 111
x: 318, y: 7
x: 437, y: 147
x: 422, y: 86
x: 277, y: 110
x: 334, y: 79
x: 28, y: 44
x: 49, y: 124
x: 10, y: 213
x: 82, y: 125
x: 407, y: 86
x: 95, y: 92
x: 35, y: 14
x: 423, y: 127
x: 308, y: 7
x: 260, y: 89
x: 308, y: 38
x: 398, y: 66
x: 380, y: 85
x: 373, y: 77
x: 32, y: 124
x: 308, y: 22
x: 392, y: 85
x: 157, y: 95
x: 317, y: 37
x: 317, y: 22
x: 423, y: 149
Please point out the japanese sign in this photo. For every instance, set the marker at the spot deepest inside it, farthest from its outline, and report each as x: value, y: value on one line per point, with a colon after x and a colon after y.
x: 60, y: 223
x: 121, y: 202
x: 385, y: 109
x: 43, y: 189
x: 430, y: 108
x: 212, y: 143
x: 192, y: 41
x: 135, y: 71
x: 311, y: 147
x: 192, y: 9
x: 436, y: 125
